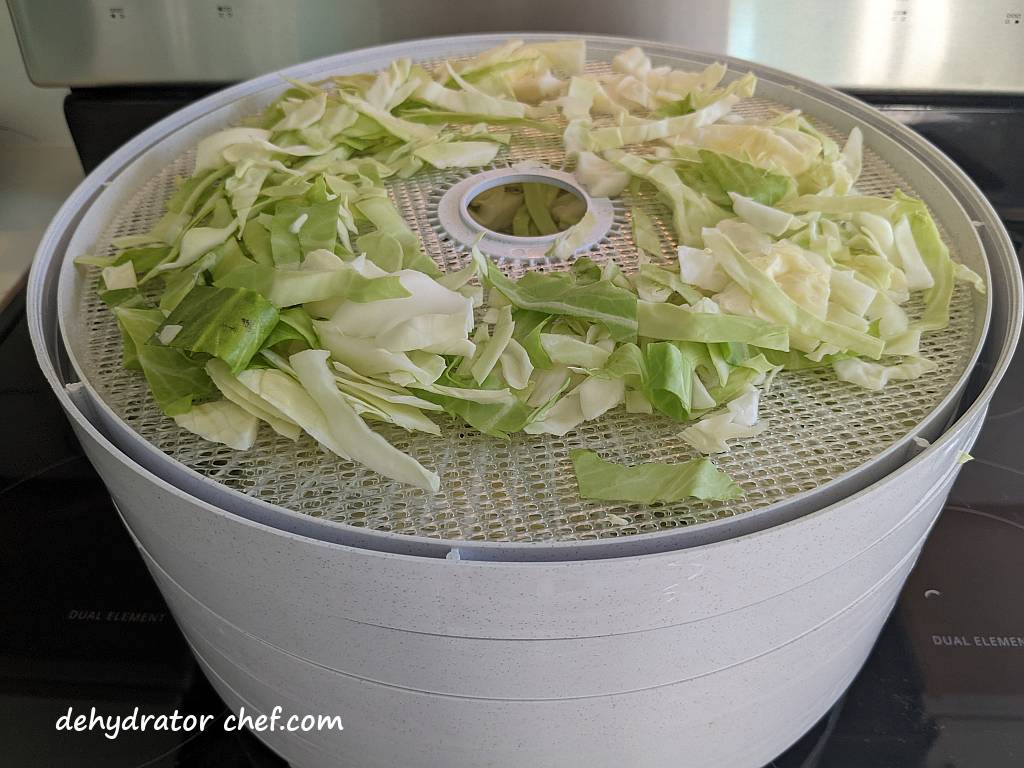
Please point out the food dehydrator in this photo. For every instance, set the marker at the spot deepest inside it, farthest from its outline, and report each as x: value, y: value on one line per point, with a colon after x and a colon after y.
x: 506, y: 622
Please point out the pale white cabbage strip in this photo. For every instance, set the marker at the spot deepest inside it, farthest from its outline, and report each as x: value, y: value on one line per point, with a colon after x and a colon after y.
x: 458, y: 154
x: 349, y: 436
x: 638, y: 82
x: 426, y: 297
x: 852, y: 293
x: 119, y: 277
x: 365, y: 356
x: 910, y: 259
x: 876, y: 376
x: 197, y: 242
x: 516, y: 367
x: 489, y: 352
x: 762, y: 217
x: 221, y: 422
x: 288, y: 397
x: 250, y: 402
x: 740, y: 420
x: 768, y: 147
x: 644, y: 131
x: 588, y: 400
x: 599, y: 177
x: 699, y: 267
x: 208, y: 151
x: 441, y: 334
x: 775, y: 305
x: 381, y: 392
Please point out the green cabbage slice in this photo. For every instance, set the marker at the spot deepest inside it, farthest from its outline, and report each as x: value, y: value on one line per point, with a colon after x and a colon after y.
x: 650, y: 483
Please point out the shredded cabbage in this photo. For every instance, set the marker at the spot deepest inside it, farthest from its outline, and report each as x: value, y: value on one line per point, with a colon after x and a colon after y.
x: 285, y: 286
x: 739, y: 421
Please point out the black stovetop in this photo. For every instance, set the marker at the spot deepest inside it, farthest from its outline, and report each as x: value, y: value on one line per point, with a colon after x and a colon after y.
x: 83, y: 624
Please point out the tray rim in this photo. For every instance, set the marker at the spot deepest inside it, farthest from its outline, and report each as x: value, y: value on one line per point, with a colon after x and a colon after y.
x: 128, y: 157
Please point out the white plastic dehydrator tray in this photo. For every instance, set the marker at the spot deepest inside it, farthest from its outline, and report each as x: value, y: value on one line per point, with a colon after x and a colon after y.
x: 822, y: 433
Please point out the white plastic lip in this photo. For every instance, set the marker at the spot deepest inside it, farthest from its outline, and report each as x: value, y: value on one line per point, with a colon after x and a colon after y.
x: 455, y: 218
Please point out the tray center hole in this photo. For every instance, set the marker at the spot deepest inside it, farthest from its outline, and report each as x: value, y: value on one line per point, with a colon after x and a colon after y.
x: 536, y: 208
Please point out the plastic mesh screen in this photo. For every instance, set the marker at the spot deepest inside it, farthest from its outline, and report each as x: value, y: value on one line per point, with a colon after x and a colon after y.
x: 524, y: 489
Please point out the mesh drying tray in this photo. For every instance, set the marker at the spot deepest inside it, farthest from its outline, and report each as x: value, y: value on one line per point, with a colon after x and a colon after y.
x: 826, y: 439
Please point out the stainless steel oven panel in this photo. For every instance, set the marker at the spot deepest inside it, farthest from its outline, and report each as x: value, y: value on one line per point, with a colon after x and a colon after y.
x: 891, y: 45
